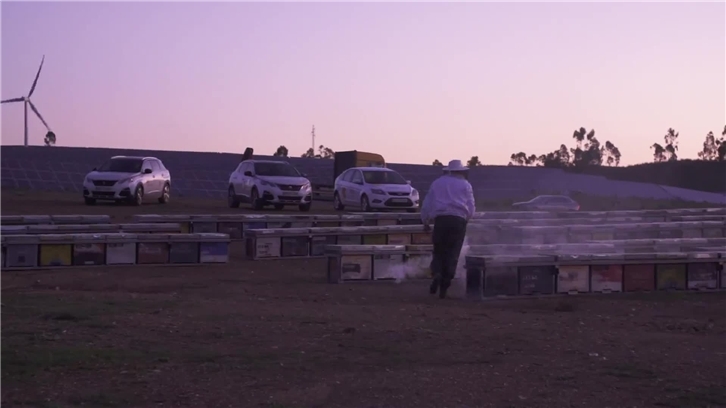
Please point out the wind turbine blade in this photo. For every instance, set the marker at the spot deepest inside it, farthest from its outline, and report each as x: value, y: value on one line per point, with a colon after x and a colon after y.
x: 12, y: 100
x: 32, y: 88
x: 38, y: 113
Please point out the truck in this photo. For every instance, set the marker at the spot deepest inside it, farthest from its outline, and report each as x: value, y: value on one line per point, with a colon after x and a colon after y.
x: 344, y: 161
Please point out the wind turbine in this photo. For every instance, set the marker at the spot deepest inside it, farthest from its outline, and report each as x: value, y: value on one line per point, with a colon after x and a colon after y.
x: 50, y: 136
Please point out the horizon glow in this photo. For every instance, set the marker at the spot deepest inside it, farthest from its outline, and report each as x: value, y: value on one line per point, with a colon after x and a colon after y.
x: 412, y: 81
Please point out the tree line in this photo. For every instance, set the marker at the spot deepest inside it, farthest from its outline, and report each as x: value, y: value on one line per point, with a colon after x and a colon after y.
x: 588, y: 151
x: 323, y: 153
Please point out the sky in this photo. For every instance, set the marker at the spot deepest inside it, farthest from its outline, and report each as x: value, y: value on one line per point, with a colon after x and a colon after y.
x: 412, y: 81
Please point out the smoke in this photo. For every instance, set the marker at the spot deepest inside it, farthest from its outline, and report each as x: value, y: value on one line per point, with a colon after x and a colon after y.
x: 419, y: 267
x: 488, y: 238
x: 459, y: 282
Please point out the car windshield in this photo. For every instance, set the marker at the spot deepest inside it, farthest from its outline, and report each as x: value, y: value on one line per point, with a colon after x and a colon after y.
x: 276, y: 169
x: 125, y: 165
x: 383, y: 177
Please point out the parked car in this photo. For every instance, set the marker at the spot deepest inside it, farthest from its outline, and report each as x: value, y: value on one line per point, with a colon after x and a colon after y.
x: 370, y: 188
x: 548, y: 203
x: 128, y: 178
x: 267, y: 182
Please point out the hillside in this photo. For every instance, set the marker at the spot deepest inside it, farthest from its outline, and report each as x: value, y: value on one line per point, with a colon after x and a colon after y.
x: 690, y: 174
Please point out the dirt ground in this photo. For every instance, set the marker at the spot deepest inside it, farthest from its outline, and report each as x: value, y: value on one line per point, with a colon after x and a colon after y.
x: 274, y: 334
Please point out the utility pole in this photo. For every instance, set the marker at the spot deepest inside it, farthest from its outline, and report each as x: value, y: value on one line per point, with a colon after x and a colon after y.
x: 313, y: 135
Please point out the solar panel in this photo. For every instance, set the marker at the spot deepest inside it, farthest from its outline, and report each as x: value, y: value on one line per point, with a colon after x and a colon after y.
x: 206, y: 174
x: 9, y: 182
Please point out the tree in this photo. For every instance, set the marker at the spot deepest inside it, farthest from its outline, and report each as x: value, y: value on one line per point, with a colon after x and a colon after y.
x: 473, y: 162
x: 323, y: 153
x: 710, y: 148
x: 280, y: 152
x: 658, y: 153
x: 611, y: 153
x: 49, y: 139
x: 559, y: 158
x: 437, y: 163
x: 522, y: 159
x: 714, y: 149
x: 587, y: 152
x: 671, y: 144
x: 666, y: 152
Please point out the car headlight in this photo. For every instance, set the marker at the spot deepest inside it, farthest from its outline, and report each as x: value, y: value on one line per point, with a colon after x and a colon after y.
x: 414, y: 192
x: 267, y: 183
x: 87, y: 181
x: 127, y: 180
x: 305, y: 186
x: 378, y: 191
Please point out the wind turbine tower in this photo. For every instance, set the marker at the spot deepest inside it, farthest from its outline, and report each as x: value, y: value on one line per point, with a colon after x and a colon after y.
x: 50, y: 136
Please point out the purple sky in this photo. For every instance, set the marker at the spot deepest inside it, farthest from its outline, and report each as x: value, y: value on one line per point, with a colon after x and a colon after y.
x: 412, y: 81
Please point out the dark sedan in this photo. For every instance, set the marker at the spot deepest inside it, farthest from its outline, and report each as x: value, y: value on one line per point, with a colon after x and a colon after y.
x: 548, y: 203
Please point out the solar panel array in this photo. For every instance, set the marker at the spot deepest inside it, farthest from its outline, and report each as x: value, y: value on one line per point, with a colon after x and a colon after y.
x: 199, y: 174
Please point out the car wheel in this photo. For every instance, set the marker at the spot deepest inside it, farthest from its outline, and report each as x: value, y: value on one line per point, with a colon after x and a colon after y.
x: 232, y: 200
x: 279, y: 207
x: 364, y: 204
x: 165, y: 194
x: 89, y: 201
x: 138, y: 198
x: 305, y: 207
x: 337, y: 204
x: 255, y: 200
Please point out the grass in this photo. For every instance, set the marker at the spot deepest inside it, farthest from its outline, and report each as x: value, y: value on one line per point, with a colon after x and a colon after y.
x: 629, y: 371
x: 27, y: 362
x: 712, y: 396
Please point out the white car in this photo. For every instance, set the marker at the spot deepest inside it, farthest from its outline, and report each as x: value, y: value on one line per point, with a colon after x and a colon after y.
x: 267, y: 182
x: 128, y: 178
x: 370, y: 188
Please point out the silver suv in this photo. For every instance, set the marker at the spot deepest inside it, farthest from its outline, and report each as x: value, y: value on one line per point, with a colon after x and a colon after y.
x: 267, y: 182
x: 128, y: 178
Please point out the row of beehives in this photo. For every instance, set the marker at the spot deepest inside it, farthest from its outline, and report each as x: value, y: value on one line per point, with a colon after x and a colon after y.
x: 686, y: 214
x: 547, y: 274
x: 648, y: 215
x: 405, y: 218
x: 56, y: 250
x: 483, y: 234
x: 373, y: 219
x: 628, y: 246
x: 487, y: 232
x: 53, y: 219
x: 132, y: 228
x: 617, y: 248
x: 553, y: 222
x: 301, y: 242
x: 532, y: 273
x: 236, y: 229
x: 235, y: 224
